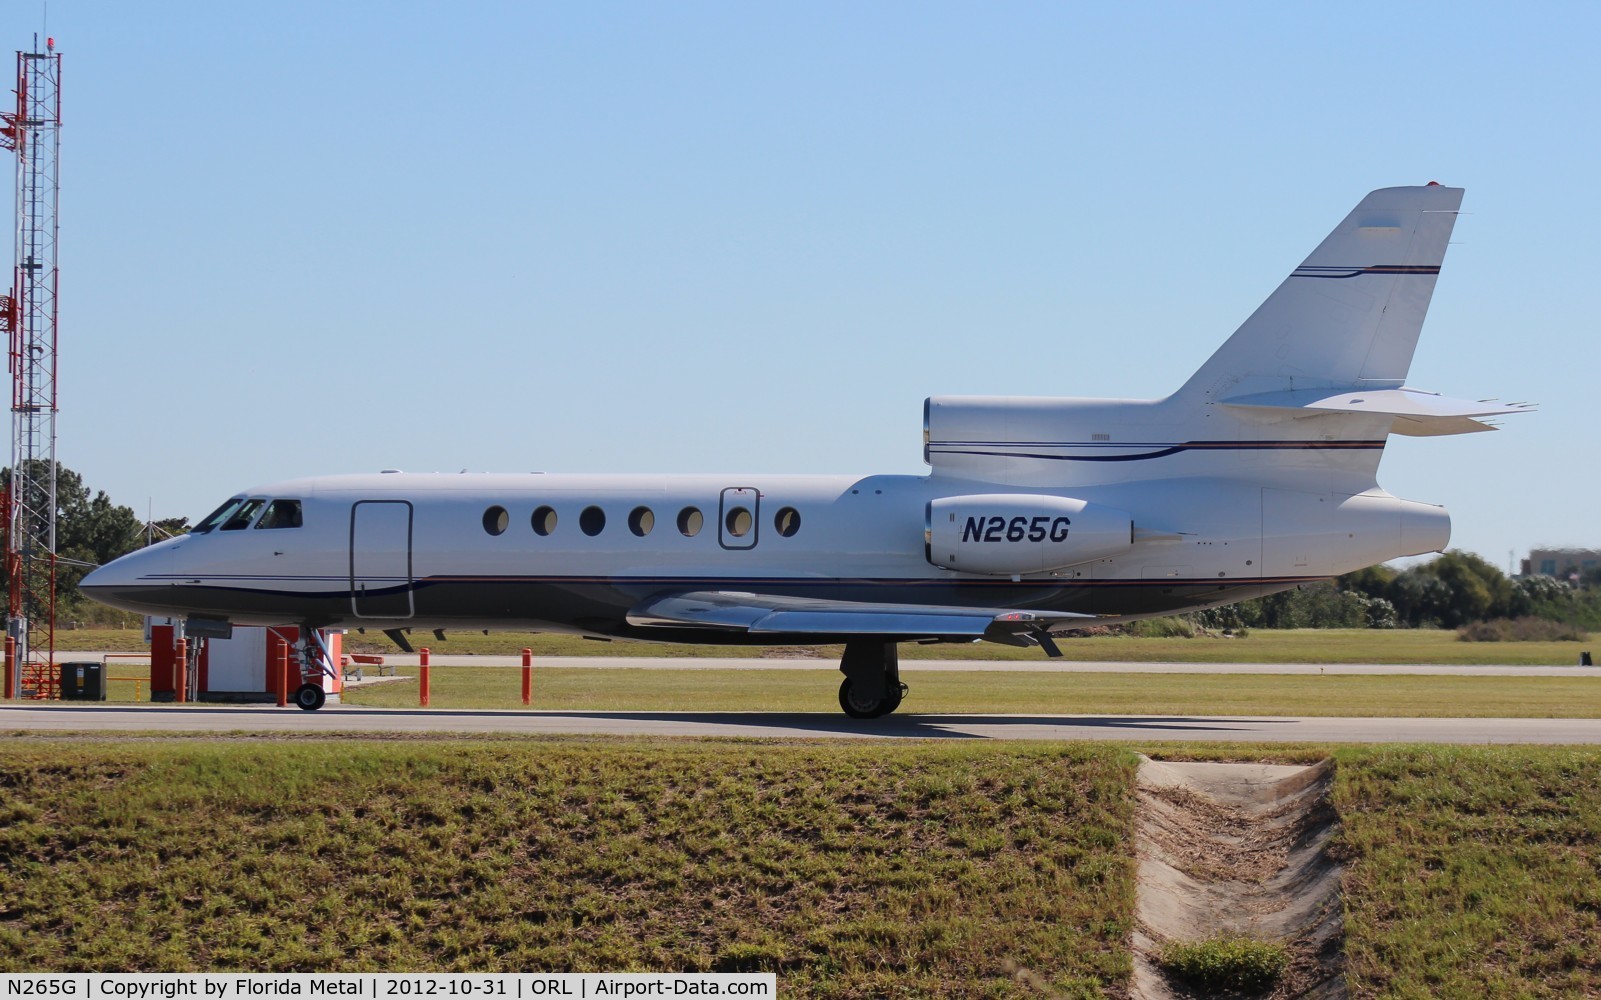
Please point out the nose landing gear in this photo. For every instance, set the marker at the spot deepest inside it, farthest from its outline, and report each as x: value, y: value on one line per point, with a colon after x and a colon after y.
x: 310, y: 697
x: 315, y: 664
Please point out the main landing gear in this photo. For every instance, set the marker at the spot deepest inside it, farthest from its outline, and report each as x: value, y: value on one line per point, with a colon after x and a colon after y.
x: 872, y: 686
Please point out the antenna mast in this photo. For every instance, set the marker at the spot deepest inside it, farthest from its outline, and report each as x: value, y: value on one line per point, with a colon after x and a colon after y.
x: 29, y: 315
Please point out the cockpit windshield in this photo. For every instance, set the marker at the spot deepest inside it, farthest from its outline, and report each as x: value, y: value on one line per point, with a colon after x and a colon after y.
x: 218, y: 516
x: 242, y: 517
x: 241, y: 511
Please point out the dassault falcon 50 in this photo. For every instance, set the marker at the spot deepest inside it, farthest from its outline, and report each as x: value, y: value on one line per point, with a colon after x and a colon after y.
x: 1036, y: 516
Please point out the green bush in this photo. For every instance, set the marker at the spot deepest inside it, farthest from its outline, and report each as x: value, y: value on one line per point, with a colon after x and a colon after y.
x: 1312, y: 605
x: 1229, y: 962
x: 1380, y: 612
x: 1163, y: 628
x: 1526, y: 629
x: 1452, y: 591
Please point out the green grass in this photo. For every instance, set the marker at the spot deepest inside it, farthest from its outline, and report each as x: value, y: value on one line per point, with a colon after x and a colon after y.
x: 1306, y: 646
x: 1226, y: 963
x: 945, y: 692
x: 1261, y: 646
x: 105, y: 640
x: 860, y: 870
x: 853, y: 870
x: 1472, y: 872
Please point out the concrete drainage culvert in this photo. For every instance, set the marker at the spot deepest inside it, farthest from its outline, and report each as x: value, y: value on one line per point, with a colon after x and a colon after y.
x: 1237, y: 892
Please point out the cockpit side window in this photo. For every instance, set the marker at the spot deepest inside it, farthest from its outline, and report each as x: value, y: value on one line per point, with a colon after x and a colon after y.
x: 242, y: 517
x: 281, y: 514
x: 218, y: 516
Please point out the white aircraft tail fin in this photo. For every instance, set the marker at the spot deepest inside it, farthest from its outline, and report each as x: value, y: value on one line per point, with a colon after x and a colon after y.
x: 1351, y: 313
x: 1309, y: 388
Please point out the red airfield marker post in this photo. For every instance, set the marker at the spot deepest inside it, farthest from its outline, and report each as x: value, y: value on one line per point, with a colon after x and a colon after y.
x: 180, y: 670
x: 283, y: 676
x: 528, y: 676
x: 422, y: 676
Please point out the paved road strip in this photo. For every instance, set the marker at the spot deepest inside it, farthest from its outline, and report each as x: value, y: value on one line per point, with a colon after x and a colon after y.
x: 39, y: 718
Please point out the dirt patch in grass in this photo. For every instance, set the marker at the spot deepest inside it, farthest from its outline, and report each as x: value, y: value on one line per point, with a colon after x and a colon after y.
x: 792, y: 653
x: 1237, y: 851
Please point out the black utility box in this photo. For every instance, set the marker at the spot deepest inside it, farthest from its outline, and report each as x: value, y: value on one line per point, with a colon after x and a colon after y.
x: 83, y: 681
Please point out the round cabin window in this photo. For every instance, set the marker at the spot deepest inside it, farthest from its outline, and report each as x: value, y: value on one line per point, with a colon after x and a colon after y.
x: 592, y: 521
x: 544, y: 521
x: 641, y: 521
x: 690, y: 522
x: 787, y: 522
x: 495, y: 520
x: 738, y: 522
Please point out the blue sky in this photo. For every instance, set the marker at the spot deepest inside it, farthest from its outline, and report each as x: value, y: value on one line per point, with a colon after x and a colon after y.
x: 304, y: 238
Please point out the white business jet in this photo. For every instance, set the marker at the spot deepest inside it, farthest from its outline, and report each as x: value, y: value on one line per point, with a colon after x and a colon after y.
x: 1038, y: 515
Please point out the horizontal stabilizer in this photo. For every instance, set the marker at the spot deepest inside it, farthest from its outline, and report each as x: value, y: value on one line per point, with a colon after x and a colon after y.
x: 759, y: 614
x: 1416, y: 413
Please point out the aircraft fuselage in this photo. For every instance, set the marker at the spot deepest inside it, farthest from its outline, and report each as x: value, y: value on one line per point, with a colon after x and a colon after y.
x: 462, y: 551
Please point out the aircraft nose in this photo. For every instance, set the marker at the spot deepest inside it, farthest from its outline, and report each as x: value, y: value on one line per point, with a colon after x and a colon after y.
x: 126, y: 582
x: 121, y: 572
x: 99, y: 578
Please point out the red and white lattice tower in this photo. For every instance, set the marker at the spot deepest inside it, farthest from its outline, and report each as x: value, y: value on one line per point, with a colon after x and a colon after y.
x: 33, y: 132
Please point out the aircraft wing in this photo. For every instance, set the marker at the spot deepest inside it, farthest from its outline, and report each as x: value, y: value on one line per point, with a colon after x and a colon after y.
x: 760, y: 614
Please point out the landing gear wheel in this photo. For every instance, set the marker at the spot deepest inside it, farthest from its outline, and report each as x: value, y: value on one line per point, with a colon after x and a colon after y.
x: 858, y: 708
x: 897, y: 693
x: 872, y: 687
x: 310, y: 697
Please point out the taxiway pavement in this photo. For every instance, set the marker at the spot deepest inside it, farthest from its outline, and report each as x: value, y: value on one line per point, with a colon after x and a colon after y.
x: 246, y: 720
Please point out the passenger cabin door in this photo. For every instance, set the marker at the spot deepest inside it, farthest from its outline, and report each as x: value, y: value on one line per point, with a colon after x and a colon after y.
x: 380, y: 559
x: 738, y: 518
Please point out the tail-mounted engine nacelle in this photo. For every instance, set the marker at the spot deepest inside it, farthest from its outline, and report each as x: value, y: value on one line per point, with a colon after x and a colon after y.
x: 1011, y: 534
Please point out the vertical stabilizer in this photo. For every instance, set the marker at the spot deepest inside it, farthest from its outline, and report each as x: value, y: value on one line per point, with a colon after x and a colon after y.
x: 1351, y: 313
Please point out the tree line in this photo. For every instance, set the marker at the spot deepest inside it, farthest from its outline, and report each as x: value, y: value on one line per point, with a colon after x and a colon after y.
x: 92, y: 530
x: 1456, y: 590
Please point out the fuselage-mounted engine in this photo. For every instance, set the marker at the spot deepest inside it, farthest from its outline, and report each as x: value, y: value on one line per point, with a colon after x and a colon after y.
x: 1011, y: 534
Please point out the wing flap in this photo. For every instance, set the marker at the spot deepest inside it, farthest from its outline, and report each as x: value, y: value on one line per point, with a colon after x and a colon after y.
x: 762, y: 614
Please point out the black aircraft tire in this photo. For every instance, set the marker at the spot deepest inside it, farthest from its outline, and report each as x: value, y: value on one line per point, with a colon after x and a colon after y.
x: 881, y: 709
x: 897, y: 694
x: 310, y: 697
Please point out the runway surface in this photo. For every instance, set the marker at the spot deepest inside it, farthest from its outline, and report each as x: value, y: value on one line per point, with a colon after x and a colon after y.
x: 210, y: 720
x: 1040, y: 666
